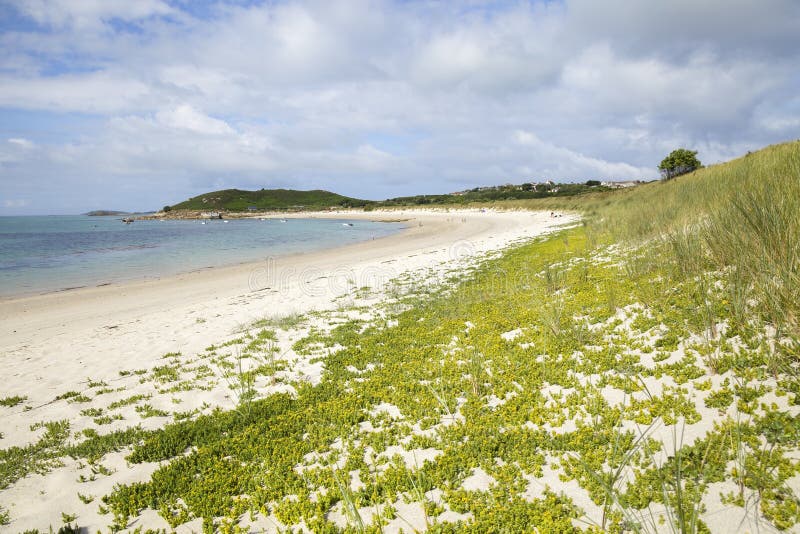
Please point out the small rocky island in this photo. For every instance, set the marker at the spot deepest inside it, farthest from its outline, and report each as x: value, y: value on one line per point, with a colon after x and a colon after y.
x: 100, y: 213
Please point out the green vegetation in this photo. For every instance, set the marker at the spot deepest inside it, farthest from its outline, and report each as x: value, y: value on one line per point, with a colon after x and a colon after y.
x: 739, y: 218
x: 441, y: 377
x: 39, y: 457
x: 92, y: 412
x: 285, y: 322
x: 680, y: 161
x: 105, y: 213
x: 635, y: 373
x: 147, y: 410
x: 133, y: 399
x: 268, y: 199
x: 498, y: 193
x: 98, y: 445
x: 10, y: 402
x: 287, y: 199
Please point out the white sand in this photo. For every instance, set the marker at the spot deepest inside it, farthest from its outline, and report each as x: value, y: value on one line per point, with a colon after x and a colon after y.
x: 53, y: 343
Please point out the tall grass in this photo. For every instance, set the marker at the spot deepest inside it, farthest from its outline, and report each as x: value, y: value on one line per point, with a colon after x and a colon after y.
x: 752, y: 227
x: 758, y: 234
x: 349, y: 501
x: 742, y: 217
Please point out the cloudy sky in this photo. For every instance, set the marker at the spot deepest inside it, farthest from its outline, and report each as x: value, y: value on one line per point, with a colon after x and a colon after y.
x: 131, y: 105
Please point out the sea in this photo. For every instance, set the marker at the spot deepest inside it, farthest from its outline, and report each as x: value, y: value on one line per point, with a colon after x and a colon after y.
x: 40, y: 254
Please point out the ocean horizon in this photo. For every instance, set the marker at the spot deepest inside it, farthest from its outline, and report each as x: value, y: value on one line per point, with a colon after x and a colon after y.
x: 49, y: 253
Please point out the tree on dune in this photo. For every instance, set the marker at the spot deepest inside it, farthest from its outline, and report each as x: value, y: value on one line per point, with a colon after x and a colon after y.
x: 679, y: 161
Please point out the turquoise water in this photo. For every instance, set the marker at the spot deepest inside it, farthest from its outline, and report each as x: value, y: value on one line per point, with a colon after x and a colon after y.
x: 41, y: 254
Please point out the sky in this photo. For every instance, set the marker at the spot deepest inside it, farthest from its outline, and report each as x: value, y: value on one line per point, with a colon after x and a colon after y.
x: 114, y: 104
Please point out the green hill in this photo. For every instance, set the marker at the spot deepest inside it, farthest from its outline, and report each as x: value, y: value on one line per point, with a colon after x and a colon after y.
x: 291, y: 199
x: 501, y: 193
x: 268, y: 199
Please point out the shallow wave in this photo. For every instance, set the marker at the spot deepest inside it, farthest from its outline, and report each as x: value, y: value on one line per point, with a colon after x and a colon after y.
x: 116, y: 249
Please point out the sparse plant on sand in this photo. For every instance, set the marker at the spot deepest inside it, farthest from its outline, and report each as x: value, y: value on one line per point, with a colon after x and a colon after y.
x: 5, y: 517
x: 11, y: 401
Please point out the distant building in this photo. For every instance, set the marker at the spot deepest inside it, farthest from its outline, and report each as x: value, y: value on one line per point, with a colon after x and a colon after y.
x: 622, y: 184
x: 252, y: 208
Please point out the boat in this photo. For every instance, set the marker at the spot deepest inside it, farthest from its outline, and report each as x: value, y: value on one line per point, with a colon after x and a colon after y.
x: 347, y: 224
x: 127, y: 220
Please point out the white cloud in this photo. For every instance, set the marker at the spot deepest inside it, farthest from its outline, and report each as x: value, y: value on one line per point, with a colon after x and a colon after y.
x: 378, y: 98
x: 15, y: 203
x: 677, y: 27
x: 371, y: 159
x: 15, y: 151
x: 181, y: 141
x: 185, y: 117
x: 450, y: 59
x: 84, y: 14
x: 781, y: 124
x: 702, y: 90
x: 565, y: 161
x: 23, y: 143
x: 511, y: 52
x: 96, y: 92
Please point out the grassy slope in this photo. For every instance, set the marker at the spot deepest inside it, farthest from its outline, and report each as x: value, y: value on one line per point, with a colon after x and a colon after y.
x: 741, y: 216
x: 278, y: 199
x: 670, y: 308
x: 502, y: 194
x: 268, y: 199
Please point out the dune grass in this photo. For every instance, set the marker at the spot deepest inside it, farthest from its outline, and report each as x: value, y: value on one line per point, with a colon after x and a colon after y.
x: 742, y: 217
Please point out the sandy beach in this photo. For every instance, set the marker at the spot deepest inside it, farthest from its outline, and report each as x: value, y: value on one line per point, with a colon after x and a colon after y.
x: 163, y: 313
x: 58, y: 342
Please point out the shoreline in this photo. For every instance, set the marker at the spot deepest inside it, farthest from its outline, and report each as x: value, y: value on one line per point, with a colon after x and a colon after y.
x: 120, y: 283
x: 59, y: 344
x: 43, y: 323
x: 220, y: 270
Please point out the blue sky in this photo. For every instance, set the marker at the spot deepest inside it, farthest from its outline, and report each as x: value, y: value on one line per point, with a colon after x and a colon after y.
x: 134, y: 105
